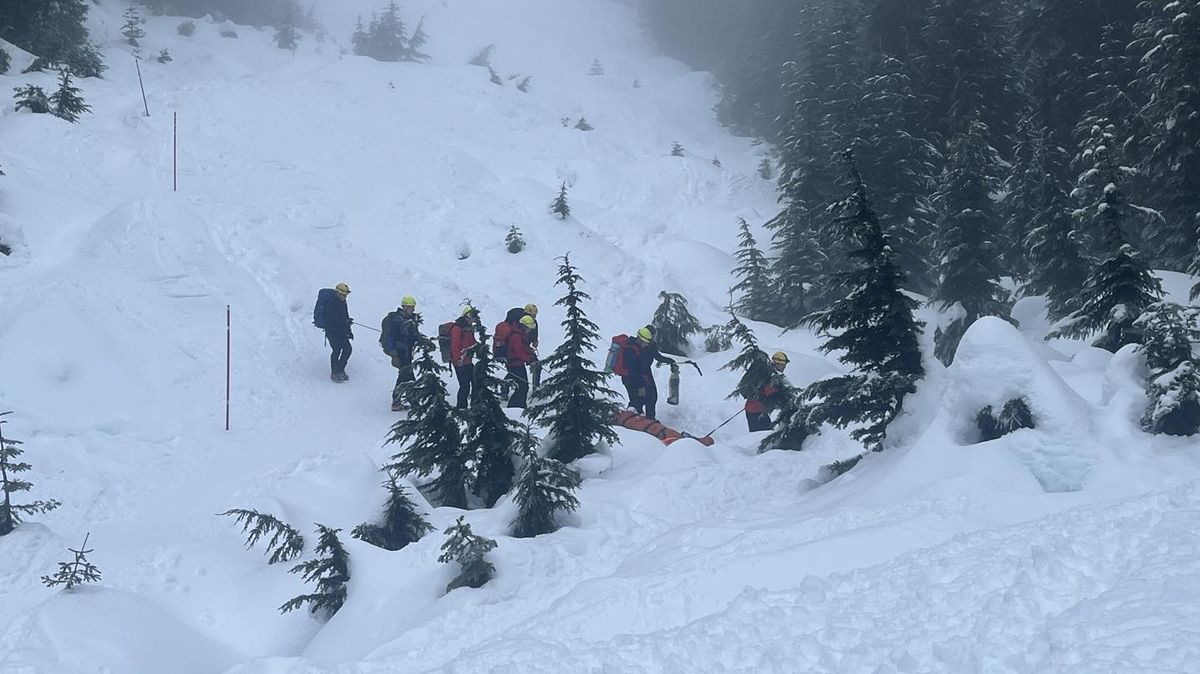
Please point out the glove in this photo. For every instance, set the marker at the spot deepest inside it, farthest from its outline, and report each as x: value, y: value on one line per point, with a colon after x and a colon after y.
x: 641, y: 393
x: 396, y: 362
x: 350, y: 333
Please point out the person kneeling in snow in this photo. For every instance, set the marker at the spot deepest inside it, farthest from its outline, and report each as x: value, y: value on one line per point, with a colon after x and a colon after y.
x: 758, y: 408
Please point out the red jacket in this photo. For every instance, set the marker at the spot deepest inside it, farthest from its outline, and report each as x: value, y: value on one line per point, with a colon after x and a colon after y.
x: 461, y: 339
x: 519, y: 352
x: 758, y: 405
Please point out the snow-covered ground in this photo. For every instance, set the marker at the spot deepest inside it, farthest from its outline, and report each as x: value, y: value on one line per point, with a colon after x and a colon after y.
x: 1068, y: 548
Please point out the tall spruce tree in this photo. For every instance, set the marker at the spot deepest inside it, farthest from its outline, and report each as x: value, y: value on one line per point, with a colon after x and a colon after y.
x: 420, y: 38
x: 753, y: 277
x: 574, y: 403
x: 330, y: 573
x: 11, y: 513
x: 55, y: 30
x: 1173, y: 384
x: 431, y: 434
x: 1168, y: 37
x: 1121, y: 288
x: 545, y: 488
x: 872, y: 328
x: 132, y: 29
x: 402, y: 523
x: 490, y: 435
x: 560, y: 206
x: 388, y: 36
x: 1058, y: 265
x: 287, y: 33
x: 903, y: 166
x: 469, y: 550
x: 674, y: 324
x: 969, y: 268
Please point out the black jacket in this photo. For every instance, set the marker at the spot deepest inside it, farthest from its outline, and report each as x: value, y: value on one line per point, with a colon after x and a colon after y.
x: 398, y: 334
x: 639, y: 357
x: 337, y: 318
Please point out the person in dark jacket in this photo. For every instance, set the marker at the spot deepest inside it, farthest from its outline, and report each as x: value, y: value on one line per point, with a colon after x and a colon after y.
x: 520, y: 355
x: 398, y: 337
x: 758, y: 408
x: 462, y: 338
x: 640, y: 354
x: 338, y: 332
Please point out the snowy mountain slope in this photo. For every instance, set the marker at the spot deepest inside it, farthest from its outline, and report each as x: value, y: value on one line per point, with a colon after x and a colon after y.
x: 301, y: 170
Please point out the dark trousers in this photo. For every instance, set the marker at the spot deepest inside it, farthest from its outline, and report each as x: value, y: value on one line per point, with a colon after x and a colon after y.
x: 758, y: 421
x: 643, y: 393
x: 518, y: 376
x: 464, y: 373
x: 404, y: 375
x: 340, y: 352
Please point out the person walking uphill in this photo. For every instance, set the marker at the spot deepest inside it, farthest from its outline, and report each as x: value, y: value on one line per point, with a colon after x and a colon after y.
x: 398, y: 337
x: 639, y: 354
x: 519, y: 356
x: 462, y: 339
x: 758, y: 408
x: 335, y: 318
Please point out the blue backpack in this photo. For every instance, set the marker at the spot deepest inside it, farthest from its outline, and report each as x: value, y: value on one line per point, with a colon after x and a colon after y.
x: 324, y: 297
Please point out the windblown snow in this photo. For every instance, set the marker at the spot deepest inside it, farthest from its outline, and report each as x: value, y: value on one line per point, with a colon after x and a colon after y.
x: 1071, y: 547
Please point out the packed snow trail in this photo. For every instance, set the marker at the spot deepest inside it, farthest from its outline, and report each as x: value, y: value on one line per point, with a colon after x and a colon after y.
x: 301, y: 170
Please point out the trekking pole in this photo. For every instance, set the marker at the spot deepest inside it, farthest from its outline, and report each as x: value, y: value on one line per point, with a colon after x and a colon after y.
x: 739, y: 413
x: 366, y: 326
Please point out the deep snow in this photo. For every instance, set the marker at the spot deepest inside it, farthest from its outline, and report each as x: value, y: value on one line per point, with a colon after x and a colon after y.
x: 1065, y: 548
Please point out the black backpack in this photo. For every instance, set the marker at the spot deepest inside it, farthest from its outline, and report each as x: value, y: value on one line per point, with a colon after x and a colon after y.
x: 324, y: 297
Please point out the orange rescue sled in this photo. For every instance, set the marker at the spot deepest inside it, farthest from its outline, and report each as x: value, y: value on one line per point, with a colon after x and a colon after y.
x: 637, y: 422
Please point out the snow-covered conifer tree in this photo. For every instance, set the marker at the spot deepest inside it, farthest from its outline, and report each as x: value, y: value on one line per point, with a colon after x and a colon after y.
x: 597, y: 68
x: 32, y: 98
x: 545, y: 488
x: 285, y: 543
x: 431, y: 435
x: 67, y: 102
x: 674, y: 324
x: 1173, y: 384
x: 573, y: 402
x: 969, y: 268
x: 490, y: 435
x: 11, y: 513
x: 560, y: 207
x: 514, y: 242
x: 330, y: 572
x: 469, y: 551
x: 677, y: 150
x: 402, y: 523
x: 754, y: 277
x: 132, y: 29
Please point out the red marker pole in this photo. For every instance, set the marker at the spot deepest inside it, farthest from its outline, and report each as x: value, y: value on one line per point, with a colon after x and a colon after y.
x: 228, y: 369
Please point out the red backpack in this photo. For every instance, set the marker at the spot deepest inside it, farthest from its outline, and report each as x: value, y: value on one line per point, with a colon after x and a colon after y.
x: 500, y: 340
x: 615, y: 363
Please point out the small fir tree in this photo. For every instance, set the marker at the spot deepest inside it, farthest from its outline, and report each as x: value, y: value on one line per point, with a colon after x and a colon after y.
x: 469, y: 551
x: 490, y: 435
x: 545, y: 488
x: 187, y: 28
x: 764, y: 169
x: 514, y: 242
x: 969, y: 268
x: 494, y: 77
x: 1173, y: 383
x: 560, y: 207
x: 11, y: 514
x: 67, y: 103
x: 1121, y: 288
x: 330, y: 573
x: 872, y: 328
x: 573, y: 402
x: 524, y: 85
x: 597, y: 68
x: 75, y: 572
x: 483, y: 57
x: 753, y: 275
x: 583, y: 125
x: 5, y: 61
x: 716, y: 162
x: 1014, y: 416
x: 32, y: 98
x: 132, y: 30
x: 717, y: 338
x: 287, y: 35
x: 164, y: 56
x: 637, y: 83
x: 674, y: 324
x: 676, y: 150
x: 431, y: 434
x: 402, y: 523
x: 285, y: 543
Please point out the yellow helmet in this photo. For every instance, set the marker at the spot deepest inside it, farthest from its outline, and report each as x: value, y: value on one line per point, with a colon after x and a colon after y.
x: 468, y: 310
x: 780, y: 357
x: 528, y: 322
x: 531, y: 309
x: 342, y: 289
x: 646, y: 334
x: 408, y: 301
